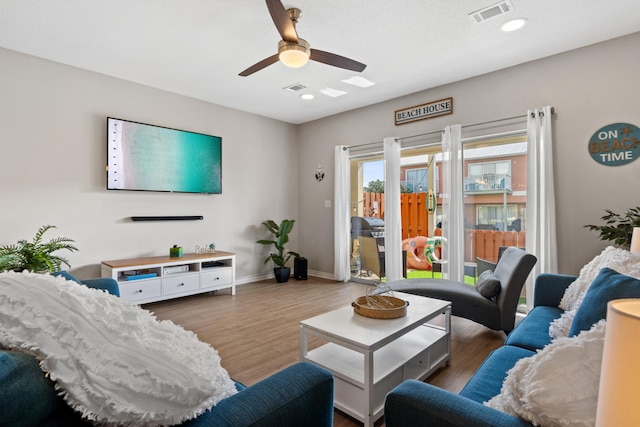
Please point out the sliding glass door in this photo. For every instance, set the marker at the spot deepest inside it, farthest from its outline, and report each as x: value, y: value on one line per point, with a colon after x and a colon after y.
x: 421, y: 208
x: 495, y: 199
x: 367, y: 213
x: 494, y: 192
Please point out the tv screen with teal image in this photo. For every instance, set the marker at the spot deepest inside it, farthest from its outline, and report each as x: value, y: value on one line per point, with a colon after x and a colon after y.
x: 144, y: 157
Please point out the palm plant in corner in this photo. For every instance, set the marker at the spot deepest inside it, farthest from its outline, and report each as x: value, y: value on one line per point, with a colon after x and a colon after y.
x: 35, y: 256
x: 618, y: 227
x: 281, y: 256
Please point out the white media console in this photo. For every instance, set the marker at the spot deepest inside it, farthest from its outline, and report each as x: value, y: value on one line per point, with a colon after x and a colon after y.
x: 150, y: 279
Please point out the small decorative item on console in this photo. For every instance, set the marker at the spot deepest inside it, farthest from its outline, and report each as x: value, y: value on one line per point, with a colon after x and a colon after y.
x: 175, y: 251
x: 206, y: 249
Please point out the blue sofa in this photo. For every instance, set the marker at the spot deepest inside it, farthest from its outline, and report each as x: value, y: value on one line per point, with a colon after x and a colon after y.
x: 414, y: 403
x: 301, y: 394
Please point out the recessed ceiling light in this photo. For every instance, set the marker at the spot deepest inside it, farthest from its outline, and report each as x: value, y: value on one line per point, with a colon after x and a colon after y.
x: 334, y: 93
x: 358, y: 81
x: 514, y: 24
x: 307, y: 96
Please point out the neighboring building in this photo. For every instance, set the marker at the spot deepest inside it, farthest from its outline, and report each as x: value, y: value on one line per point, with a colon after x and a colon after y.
x: 495, y: 183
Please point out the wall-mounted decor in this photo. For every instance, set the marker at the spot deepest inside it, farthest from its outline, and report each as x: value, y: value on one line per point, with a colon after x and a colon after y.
x: 319, y: 173
x: 424, y: 111
x: 615, y: 144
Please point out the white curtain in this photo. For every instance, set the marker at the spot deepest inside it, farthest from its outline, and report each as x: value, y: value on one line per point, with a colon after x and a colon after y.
x: 341, y: 197
x: 541, y: 207
x: 392, y: 218
x: 452, y: 204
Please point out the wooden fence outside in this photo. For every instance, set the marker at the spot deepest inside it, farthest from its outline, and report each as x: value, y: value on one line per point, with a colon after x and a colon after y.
x: 485, y: 243
x: 413, y: 208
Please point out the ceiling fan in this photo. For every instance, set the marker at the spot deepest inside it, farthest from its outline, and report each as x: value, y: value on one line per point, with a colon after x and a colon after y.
x: 293, y: 51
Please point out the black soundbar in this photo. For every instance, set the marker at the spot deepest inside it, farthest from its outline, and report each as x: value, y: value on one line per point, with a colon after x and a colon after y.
x: 167, y: 218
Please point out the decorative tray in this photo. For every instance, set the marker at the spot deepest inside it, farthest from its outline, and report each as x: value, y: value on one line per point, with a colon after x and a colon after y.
x: 380, y: 307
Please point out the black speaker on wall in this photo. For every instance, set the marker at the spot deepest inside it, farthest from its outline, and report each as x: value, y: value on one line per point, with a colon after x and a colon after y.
x: 300, y: 268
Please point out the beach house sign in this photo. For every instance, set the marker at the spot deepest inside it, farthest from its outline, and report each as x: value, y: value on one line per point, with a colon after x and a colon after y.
x: 424, y: 111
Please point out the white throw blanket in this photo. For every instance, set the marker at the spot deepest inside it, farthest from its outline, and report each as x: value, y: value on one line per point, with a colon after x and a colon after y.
x: 111, y: 360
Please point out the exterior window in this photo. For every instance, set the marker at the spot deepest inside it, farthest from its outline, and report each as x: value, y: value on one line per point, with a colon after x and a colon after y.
x: 499, y: 217
x: 416, y: 180
x: 489, y: 176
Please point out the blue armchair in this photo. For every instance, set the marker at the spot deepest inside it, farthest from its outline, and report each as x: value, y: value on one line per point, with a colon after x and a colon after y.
x: 104, y: 283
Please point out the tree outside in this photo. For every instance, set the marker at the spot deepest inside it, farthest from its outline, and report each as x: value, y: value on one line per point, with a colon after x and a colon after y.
x: 377, y: 186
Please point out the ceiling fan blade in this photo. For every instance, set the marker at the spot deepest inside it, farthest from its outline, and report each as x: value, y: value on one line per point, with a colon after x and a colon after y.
x: 282, y: 20
x: 260, y: 65
x: 336, y: 60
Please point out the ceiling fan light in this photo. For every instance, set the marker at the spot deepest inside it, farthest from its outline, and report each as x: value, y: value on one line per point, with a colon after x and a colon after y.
x: 293, y: 58
x: 293, y: 55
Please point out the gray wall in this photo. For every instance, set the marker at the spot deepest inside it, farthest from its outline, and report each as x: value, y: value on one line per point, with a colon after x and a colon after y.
x: 52, y: 134
x: 589, y: 88
x: 53, y: 157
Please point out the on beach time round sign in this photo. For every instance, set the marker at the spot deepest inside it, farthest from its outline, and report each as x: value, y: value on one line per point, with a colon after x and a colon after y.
x: 616, y: 144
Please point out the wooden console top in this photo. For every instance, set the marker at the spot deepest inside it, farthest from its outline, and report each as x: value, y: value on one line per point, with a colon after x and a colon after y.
x: 120, y: 263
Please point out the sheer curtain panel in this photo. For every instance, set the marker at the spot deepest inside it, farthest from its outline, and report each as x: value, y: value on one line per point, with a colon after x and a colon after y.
x: 453, y: 204
x: 541, y: 207
x: 341, y: 233
x: 392, y: 217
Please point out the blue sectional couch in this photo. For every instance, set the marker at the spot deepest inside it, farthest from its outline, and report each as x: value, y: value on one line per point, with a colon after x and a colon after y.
x: 414, y: 403
x: 301, y: 394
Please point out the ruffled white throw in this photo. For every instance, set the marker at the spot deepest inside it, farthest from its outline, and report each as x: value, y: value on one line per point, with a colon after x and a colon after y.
x: 558, y: 386
x: 111, y: 360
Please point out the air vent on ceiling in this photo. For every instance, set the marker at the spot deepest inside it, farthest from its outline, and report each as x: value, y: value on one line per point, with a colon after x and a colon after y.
x: 492, y: 11
x: 295, y: 87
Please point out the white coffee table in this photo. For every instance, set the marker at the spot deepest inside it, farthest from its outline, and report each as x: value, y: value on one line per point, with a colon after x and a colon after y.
x: 369, y: 357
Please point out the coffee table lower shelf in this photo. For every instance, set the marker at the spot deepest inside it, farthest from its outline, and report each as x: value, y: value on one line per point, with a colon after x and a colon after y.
x: 415, y: 355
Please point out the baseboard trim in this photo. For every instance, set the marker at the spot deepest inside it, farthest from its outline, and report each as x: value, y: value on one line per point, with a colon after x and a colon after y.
x: 266, y: 276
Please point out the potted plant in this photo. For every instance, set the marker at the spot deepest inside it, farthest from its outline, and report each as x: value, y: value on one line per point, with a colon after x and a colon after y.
x: 618, y: 228
x: 36, y: 256
x: 280, y: 239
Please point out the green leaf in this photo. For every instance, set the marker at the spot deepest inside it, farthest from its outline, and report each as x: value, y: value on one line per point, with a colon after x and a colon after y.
x: 618, y: 228
x: 281, y: 238
x: 36, y: 256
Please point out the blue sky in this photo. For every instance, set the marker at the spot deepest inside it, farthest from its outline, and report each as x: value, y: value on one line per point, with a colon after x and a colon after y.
x: 372, y: 171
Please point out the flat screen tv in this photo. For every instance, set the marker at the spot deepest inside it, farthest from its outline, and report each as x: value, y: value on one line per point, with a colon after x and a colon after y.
x: 143, y: 157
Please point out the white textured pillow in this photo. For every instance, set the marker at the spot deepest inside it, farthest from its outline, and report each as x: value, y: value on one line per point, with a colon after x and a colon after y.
x: 558, y: 386
x: 617, y: 259
x: 111, y: 360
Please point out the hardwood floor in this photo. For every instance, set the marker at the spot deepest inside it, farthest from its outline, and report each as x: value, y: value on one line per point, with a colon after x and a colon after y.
x: 256, y: 332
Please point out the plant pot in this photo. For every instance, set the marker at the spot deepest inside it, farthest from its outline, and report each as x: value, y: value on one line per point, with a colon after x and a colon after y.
x: 282, y: 274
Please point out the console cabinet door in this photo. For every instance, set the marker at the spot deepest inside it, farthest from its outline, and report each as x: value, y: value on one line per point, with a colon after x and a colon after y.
x: 216, y: 278
x: 140, y: 290
x: 179, y: 283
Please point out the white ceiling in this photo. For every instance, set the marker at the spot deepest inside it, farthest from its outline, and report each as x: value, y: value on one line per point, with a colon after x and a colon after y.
x: 198, y: 47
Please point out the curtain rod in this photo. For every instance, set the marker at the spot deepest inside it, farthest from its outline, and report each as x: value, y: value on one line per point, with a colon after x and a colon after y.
x: 348, y: 147
x: 553, y: 111
x: 523, y: 116
x: 466, y: 126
